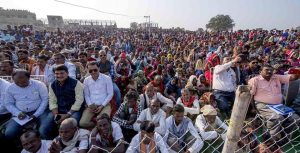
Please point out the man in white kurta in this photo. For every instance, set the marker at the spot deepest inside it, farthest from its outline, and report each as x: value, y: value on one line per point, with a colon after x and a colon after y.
x: 154, y: 114
x: 147, y: 141
x: 190, y: 103
x: 151, y: 94
x: 209, y: 124
x: 181, y: 134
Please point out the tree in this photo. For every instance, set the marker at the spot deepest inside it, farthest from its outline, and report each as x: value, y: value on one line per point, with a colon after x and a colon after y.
x: 220, y: 23
x: 200, y: 30
x: 133, y: 25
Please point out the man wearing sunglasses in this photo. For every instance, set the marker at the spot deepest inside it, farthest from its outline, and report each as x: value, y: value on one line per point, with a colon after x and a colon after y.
x: 252, y: 69
x: 107, y: 67
x: 98, y: 92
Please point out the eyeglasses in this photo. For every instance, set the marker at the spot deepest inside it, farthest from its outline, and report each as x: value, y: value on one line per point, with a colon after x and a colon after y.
x: 102, y: 55
x: 93, y: 70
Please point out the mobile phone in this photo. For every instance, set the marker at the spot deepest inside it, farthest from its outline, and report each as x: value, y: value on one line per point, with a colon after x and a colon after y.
x: 57, y: 118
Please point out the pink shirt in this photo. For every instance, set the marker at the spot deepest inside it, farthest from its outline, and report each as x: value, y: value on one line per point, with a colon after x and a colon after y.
x: 268, y: 92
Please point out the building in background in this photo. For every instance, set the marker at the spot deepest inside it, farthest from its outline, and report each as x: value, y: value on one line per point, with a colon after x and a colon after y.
x: 55, y: 21
x: 18, y: 17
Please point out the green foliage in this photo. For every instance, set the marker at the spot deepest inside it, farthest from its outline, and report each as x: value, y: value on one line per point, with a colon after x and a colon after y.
x: 133, y: 25
x: 220, y: 23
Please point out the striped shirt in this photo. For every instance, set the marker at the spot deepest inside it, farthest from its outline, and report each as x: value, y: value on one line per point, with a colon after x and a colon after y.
x: 121, y: 121
x: 33, y: 98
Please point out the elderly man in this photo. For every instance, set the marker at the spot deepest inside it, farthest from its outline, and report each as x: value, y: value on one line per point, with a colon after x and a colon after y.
x: 147, y: 141
x: 26, y: 99
x: 157, y: 82
x: 98, y: 92
x: 107, y: 135
x: 127, y: 114
x: 224, y: 85
x: 181, y: 134
x: 71, y: 139
x: 154, y: 114
x: 32, y: 143
x: 59, y: 58
x: 151, y: 94
x: 4, y: 114
x: 266, y: 89
x: 190, y: 103
x: 209, y: 124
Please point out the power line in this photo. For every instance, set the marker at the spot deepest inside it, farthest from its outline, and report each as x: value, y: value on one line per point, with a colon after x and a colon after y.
x: 125, y: 15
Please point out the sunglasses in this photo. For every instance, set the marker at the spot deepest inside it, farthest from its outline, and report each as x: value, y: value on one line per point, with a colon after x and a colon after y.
x: 254, y: 62
x: 93, y: 70
x: 102, y: 55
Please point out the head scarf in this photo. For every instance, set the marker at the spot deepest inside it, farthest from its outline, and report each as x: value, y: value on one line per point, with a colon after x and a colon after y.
x: 190, y: 81
x: 208, y: 110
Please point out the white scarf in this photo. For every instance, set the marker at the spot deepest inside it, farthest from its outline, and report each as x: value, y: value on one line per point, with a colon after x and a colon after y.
x: 78, y: 136
x: 155, y: 117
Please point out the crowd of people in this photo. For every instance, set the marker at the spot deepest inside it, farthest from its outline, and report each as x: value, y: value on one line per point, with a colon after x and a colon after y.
x: 124, y: 90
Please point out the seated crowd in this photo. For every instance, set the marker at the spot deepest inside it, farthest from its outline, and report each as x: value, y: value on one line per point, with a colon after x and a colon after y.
x: 118, y: 95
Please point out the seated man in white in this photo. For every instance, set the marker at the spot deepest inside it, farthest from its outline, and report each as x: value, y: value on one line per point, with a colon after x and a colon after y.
x: 71, y: 139
x: 154, y: 114
x: 189, y: 102
x: 151, y: 93
x: 32, y: 142
x: 181, y: 135
x: 209, y: 124
x: 107, y: 135
x: 147, y: 141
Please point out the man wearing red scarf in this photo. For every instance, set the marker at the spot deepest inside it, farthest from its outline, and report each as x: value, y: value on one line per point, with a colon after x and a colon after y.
x: 190, y: 103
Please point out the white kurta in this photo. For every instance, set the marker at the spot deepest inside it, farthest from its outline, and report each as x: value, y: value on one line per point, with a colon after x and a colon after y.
x: 191, y: 110
x: 159, y: 117
x: 168, y: 102
x: 198, y: 144
x: 134, y: 146
x: 202, y: 124
x: 44, y: 147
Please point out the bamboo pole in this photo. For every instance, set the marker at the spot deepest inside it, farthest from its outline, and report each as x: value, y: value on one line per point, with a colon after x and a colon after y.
x: 239, y: 111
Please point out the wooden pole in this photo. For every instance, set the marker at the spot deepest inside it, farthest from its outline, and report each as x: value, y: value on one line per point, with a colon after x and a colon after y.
x: 239, y: 111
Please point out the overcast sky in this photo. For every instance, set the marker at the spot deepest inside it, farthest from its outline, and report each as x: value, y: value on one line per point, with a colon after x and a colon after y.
x: 189, y: 14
